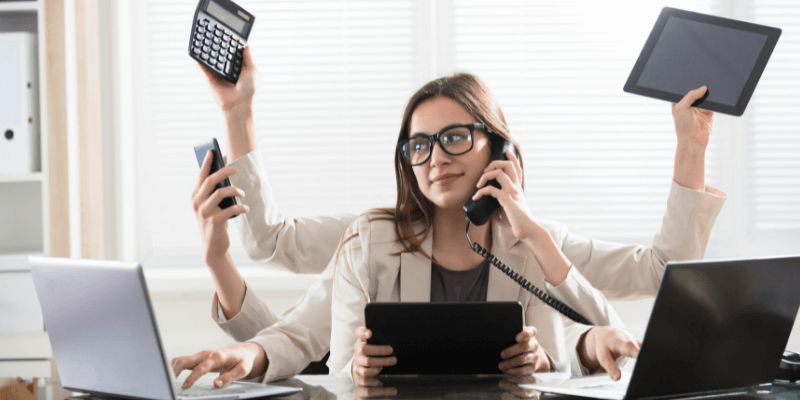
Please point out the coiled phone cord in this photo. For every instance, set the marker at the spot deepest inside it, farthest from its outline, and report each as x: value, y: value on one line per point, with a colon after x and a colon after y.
x: 516, y: 277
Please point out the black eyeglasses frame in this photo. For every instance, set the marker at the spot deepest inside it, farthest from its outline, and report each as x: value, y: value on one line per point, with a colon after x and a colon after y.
x: 435, y: 138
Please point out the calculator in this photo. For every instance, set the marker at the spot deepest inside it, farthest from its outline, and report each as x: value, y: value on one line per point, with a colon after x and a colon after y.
x: 219, y: 33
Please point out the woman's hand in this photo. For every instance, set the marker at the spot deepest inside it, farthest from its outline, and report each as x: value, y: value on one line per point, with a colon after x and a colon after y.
x: 213, y: 220
x: 525, y: 357
x: 237, y: 361
x: 510, y: 195
x: 693, y: 128
x: 602, y: 345
x: 228, y: 96
x: 692, y: 125
x: 369, y: 359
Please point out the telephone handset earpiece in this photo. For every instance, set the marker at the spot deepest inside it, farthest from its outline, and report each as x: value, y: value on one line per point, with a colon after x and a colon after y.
x: 478, y: 212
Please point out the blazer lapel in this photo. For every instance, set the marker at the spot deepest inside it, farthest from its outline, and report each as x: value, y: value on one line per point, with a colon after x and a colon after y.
x: 415, y: 274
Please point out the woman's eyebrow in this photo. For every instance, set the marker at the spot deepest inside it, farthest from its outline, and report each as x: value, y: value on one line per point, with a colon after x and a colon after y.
x: 442, y: 130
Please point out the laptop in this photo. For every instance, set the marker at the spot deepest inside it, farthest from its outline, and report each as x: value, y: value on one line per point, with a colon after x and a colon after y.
x: 716, y: 327
x: 104, y: 335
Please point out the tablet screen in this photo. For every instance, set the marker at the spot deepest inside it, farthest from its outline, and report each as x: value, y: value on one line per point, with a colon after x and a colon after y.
x: 690, y: 54
x: 687, y: 50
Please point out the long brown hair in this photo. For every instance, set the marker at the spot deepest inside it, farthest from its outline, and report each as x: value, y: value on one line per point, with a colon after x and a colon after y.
x: 412, y: 205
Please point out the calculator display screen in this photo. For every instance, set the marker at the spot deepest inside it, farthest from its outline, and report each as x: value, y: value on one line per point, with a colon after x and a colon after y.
x: 225, y: 16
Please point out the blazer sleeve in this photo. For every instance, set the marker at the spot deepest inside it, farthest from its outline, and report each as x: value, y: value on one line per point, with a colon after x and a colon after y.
x: 254, y: 316
x: 629, y: 272
x: 301, y: 245
x: 351, y: 293
x: 302, y: 335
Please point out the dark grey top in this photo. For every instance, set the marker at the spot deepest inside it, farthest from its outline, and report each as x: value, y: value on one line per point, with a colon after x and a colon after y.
x: 459, y: 286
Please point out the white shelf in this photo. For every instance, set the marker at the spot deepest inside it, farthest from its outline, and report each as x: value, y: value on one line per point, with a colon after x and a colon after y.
x: 17, y: 6
x: 27, y: 177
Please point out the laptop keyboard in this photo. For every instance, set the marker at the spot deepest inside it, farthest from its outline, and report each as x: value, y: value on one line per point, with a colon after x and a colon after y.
x: 207, y: 390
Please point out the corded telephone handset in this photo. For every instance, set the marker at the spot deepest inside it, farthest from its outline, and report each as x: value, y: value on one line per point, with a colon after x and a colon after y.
x: 478, y: 212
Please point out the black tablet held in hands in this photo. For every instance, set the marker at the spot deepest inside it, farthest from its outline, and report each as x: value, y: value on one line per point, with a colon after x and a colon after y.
x: 216, y: 164
x: 687, y: 50
x: 444, y: 338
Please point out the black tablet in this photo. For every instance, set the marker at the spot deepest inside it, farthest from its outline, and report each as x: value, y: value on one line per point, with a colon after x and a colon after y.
x: 445, y: 338
x: 687, y: 50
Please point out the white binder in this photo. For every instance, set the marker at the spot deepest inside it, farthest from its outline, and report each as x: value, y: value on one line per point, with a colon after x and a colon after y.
x: 19, y: 103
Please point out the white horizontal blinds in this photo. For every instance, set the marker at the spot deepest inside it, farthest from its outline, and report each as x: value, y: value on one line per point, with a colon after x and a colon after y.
x: 333, y: 80
x: 595, y: 157
x: 775, y: 124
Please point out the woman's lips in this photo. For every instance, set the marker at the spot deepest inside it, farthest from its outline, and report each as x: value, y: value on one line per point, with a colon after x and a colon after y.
x: 447, y: 181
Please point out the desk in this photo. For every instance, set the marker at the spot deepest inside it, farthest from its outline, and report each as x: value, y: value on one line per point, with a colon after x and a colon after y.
x: 329, y: 387
x: 341, y: 387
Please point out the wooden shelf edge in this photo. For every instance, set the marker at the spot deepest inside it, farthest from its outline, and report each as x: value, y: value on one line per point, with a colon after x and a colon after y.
x: 19, y: 6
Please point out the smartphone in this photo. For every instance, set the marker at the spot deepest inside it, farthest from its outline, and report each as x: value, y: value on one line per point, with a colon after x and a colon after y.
x: 216, y: 164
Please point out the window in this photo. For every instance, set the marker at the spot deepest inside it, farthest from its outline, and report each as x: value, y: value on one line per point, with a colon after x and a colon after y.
x: 334, y: 78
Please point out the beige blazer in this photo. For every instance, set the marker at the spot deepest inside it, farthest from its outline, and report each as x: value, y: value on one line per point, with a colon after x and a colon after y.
x: 306, y: 245
x: 367, y: 271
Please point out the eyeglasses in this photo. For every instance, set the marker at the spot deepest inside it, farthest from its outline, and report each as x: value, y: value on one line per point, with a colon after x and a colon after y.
x: 454, y: 140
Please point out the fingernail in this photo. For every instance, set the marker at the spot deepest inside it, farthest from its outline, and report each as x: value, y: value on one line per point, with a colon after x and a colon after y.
x: 185, y: 385
x: 246, y: 208
x: 218, y: 383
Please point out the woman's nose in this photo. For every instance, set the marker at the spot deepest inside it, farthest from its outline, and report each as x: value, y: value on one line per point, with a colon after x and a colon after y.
x: 439, y: 156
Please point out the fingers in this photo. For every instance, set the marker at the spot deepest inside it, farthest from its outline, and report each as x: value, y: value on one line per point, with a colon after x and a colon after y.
x: 501, y: 176
x: 237, y: 372
x: 509, y: 167
x: 363, y: 333
x: 188, y: 362
x: 247, y: 59
x: 211, y: 205
x: 208, y: 185
x: 527, y: 333
x: 690, y: 97
x: 529, y: 357
x: 487, y: 191
x: 211, y: 363
x: 213, y: 78
x: 606, y: 360
x: 229, y: 212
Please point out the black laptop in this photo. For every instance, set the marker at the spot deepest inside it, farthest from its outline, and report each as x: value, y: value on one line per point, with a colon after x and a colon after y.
x: 716, y: 327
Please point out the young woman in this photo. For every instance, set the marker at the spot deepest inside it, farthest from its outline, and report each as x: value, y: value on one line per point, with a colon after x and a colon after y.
x: 619, y: 271
x: 418, y: 251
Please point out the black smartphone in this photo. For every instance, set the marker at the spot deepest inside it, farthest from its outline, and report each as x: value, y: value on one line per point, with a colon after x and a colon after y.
x: 481, y: 210
x: 216, y: 164
x: 219, y: 33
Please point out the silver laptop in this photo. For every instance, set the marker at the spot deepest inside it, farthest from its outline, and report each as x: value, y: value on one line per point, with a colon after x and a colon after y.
x: 104, y: 336
x: 717, y: 327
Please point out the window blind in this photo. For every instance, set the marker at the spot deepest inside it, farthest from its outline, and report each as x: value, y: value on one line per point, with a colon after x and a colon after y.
x: 596, y: 158
x: 776, y: 124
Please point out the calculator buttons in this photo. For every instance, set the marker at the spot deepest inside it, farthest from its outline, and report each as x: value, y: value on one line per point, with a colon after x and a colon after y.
x: 228, y: 68
x: 238, y: 61
x: 207, y: 42
x: 213, y: 54
x: 206, y: 49
x: 224, y: 45
x: 214, y: 47
x: 220, y: 65
x: 226, y: 38
x: 237, y: 69
x: 196, y: 51
x: 221, y: 58
x: 197, y: 43
x: 230, y: 56
x: 223, y: 52
x: 204, y: 56
x: 234, y: 43
x: 200, y: 29
x: 216, y: 40
x: 218, y: 33
x: 202, y: 22
x: 235, y: 75
x: 209, y: 35
x: 198, y: 36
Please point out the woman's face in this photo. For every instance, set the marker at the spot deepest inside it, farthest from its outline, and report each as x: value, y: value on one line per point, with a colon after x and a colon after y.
x: 448, y: 180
